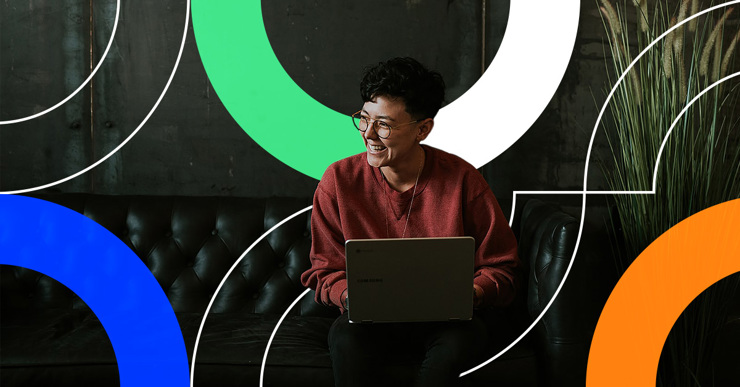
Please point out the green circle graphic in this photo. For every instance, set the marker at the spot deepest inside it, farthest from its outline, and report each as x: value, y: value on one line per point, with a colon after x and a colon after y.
x: 261, y: 96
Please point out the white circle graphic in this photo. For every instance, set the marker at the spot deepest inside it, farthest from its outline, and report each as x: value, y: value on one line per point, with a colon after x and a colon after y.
x: 84, y: 83
x: 516, y: 88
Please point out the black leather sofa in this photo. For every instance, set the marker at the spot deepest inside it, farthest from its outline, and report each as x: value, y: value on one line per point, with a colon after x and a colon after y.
x: 48, y: 336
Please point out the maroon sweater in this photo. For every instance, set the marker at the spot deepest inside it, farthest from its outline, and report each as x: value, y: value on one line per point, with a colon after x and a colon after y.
x: 353, y: 201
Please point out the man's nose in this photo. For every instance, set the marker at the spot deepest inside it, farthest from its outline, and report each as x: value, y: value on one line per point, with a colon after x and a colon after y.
x: 371, y: 132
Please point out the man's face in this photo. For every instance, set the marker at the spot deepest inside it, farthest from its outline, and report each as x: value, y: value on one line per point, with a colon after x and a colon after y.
x: 396, y: 149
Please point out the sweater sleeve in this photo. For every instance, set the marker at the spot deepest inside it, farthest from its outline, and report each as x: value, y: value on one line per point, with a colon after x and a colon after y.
x: 496, y: 259
x: 327, y: 274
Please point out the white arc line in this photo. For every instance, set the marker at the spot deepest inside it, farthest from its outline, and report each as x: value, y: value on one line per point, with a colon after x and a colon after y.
x: 274, y: 331
x: 116, y: 149
x: 585, y: 180
x: 624, y: 74
x: 513, y: 201
x: 657, y: 158
x: 675, y: 122
x: 218, y: 289
x: 92, y: 74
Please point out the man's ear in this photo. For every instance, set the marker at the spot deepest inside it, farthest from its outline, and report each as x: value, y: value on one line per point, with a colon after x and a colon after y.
x: 425, y: 127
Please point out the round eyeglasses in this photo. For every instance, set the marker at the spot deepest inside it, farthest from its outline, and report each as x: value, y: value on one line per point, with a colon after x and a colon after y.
x: 382, y: 128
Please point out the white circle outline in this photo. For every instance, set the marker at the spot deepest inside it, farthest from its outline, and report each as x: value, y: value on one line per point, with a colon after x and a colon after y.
x: 92, y: 74
x: 130, y: 136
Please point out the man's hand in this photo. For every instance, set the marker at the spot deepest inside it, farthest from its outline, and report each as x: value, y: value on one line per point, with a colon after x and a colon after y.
x: 345, y: 299
x: 478, y: 296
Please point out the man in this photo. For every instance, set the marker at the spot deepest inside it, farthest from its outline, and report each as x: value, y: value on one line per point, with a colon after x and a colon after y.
x: 400, y: 188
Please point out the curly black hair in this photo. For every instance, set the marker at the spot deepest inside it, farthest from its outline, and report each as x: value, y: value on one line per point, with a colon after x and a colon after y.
x: 420, y: 89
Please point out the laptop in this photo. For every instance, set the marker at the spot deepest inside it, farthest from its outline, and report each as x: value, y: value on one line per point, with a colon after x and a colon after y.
x: 410, y: 280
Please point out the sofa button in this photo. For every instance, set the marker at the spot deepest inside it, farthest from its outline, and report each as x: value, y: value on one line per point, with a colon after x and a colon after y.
x: 306, y: 233
x: 255, y: 296
x: 281, y: 265
x: 29, y: 295
x: 168, y: 234
x: 191, y: 263
x: 214, y: 232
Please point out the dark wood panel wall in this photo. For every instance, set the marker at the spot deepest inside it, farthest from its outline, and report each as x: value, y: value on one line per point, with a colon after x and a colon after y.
x: 44, y: 57
x: 192, y: 146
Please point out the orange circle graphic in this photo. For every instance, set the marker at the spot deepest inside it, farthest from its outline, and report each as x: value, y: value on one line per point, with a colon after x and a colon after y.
x: 655, y: 289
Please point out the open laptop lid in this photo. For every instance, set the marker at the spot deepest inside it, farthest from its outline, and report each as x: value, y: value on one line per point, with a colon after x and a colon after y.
x: 412, y: 279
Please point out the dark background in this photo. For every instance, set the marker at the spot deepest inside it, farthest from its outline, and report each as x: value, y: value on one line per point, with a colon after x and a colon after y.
x: 192, y: 146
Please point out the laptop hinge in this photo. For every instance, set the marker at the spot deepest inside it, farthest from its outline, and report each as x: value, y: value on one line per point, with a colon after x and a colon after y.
x: 453, y: 319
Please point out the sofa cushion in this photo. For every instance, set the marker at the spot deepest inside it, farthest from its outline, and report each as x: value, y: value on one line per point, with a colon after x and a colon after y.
x: 39, y: 348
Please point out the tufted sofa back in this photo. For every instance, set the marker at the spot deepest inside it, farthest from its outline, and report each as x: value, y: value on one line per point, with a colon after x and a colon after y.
x: 189, y: 244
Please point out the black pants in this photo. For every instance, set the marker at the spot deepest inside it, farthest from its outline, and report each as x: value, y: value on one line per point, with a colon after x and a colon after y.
x: 362, y: 354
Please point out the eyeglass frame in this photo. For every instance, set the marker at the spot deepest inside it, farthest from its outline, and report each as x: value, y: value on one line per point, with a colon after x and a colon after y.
x: 373, y: 123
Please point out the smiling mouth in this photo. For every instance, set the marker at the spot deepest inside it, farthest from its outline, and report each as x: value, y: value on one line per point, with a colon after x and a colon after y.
x: 376, y: 148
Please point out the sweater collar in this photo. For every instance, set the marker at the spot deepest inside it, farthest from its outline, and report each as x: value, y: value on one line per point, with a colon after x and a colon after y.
x: 405, y: 196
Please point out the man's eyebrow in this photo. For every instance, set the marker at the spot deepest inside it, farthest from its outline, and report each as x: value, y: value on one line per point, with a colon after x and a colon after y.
x: 387, y: 118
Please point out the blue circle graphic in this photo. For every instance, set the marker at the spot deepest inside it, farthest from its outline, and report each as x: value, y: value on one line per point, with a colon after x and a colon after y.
x: 108, y: 276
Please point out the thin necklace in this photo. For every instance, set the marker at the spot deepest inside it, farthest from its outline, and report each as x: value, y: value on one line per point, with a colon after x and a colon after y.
x: 388, y: 200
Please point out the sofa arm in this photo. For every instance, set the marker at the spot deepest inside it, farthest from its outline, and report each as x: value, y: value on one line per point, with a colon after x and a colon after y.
x: 546, y: 245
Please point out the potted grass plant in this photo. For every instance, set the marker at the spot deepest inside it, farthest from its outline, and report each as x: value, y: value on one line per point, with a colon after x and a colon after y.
x: 700, y: 165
